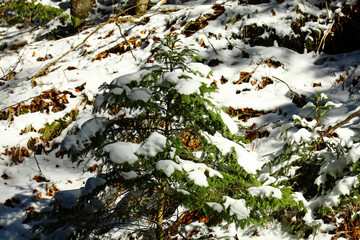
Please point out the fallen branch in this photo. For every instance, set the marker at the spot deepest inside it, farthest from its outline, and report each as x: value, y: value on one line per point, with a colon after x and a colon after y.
x: 342, y: 123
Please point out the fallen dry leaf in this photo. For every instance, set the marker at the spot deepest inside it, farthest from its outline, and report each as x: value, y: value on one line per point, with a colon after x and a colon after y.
x: 5, y: 176
x: 39, y: 178
x: 244, y: 78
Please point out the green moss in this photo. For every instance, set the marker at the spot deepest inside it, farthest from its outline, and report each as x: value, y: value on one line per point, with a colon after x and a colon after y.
x: 22, y: 11
x: 51, y: 131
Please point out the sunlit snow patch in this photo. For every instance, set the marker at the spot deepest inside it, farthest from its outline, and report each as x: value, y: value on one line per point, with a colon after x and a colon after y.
x: 184, y: 84
x: 342, y: 187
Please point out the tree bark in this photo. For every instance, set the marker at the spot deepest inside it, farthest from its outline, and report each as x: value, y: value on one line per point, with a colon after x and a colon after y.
x: 141, y: 6
x: 80, y: 10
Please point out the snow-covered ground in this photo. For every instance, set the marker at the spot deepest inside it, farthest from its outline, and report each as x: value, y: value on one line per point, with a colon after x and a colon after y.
x: 224, y: 51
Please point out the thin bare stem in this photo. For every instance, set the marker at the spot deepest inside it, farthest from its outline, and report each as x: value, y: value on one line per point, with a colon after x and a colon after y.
x: 291, y: 91
x: 38, y: 165
x: 126, y: 41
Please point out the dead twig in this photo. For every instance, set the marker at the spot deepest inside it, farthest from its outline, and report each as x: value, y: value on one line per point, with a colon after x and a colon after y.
x: 328, y: 31
x: 212, y: 46
x: 247, y: 76
x: 38, y: 165
x: 11, y: 72
x: 233, y: 45
x: 291, y: 91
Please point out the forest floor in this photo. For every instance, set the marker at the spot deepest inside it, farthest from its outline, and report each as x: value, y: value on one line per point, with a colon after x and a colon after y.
x: 260, y: 55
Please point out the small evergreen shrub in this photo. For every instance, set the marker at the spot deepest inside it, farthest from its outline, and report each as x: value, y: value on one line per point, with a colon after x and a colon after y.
x: 149, y: 168
x: 320, y: 169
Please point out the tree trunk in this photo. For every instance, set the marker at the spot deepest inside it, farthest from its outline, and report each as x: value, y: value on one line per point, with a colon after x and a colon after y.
x: 160, y: 215
x: 80, y: 10
x: 141, y: 6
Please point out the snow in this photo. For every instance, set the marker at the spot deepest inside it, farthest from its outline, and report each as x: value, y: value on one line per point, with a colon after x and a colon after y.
x: 216, y: 206
x: 168, y: 167
x: 184, y: 84
x: 354, y: 154
x: 195, y: 171
x: 122, y: 152
x: 265, y: 191
x: 302, y: 135
x: 342, y: 187
x: 229, y: 122
x: 129, y: 175
x: 77, y: 143
x: 248, y: 160
x: 153, y: 145
x: 190, y: 166
x: 198, y: 177
x: 140, y: 94
x: 92, y: 184
x: 236, y: 207
x: 68, y: 198
x: 298, y: 71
